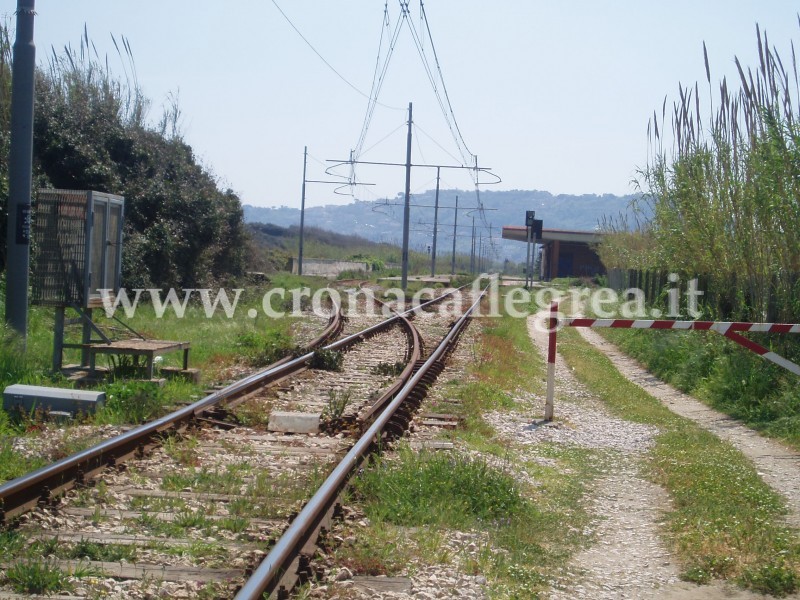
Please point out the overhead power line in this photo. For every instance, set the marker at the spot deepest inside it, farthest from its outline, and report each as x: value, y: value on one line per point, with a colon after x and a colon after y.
x: 322, y: 58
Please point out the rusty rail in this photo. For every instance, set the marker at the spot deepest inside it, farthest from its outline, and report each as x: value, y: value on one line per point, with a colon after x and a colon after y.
x: 279, y: 570
x: 23, y: 493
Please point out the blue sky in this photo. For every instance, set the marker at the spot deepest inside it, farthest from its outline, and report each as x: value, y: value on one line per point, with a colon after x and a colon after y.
x: 552, y: 95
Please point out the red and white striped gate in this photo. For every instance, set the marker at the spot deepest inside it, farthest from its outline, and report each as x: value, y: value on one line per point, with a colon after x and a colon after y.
x: 729, y: 329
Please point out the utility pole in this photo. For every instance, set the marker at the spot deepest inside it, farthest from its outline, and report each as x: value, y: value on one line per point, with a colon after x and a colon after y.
x: 472, y: 249
x: 407, y: 209
x: 455, y: 235
x: 530, y: 223
x: 435, y: 225
x: 302, y: 213
x: 20, y: 168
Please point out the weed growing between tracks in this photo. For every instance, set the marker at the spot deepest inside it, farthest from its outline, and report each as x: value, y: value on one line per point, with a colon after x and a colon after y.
x: 219, y: 347
x: 525, y: 518
x: 726, y: 522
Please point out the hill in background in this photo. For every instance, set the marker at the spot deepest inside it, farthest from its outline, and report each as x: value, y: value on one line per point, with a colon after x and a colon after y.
x: 382, y: 220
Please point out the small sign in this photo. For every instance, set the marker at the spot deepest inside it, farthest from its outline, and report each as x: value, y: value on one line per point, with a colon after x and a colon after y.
x: 23, y: 224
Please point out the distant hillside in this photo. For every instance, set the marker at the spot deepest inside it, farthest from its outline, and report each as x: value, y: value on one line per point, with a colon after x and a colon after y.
x: 382, y: 221
x: 273, y: 245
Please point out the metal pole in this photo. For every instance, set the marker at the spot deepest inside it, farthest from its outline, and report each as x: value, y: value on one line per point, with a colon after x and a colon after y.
x: 528, y: 277
x: 455, y: 235
x: 20, y: 168
x: 407, y: 209
x: 435, y: 225
x: 472, y: 249
x: 302, y: 213
x: 551, y: 361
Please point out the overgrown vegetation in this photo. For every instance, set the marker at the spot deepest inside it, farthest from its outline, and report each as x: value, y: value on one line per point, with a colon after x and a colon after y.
x: 91, y: 132
x: 726, y: 376
x: 435, y: 489
x: 723, y: 193
x: 327, y: 360
x: 338, y: 401
x: 724, y: 197
x: 726, y: 522
x: 523, y: 534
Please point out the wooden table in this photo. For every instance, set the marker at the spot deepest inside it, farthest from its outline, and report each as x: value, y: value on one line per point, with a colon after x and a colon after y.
x: 147, y: 348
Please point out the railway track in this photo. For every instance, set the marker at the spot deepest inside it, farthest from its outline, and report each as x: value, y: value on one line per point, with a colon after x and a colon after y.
x: 189, y: 505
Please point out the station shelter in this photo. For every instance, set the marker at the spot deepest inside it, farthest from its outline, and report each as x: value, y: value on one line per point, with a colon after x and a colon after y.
x: 565, y: 253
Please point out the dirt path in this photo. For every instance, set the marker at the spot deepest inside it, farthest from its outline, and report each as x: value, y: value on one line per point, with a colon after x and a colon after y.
x: 628, y: 558
x: 777, y: 465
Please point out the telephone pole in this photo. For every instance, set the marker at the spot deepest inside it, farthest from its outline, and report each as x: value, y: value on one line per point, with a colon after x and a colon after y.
x: 472, y: 249
x: 455, y: 235
x: 435, y: 224
x: 407, y: 209
x: 302, y: 213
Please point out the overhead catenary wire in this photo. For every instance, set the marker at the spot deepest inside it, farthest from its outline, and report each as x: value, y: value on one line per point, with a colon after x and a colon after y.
x: 378, y: 78
x: 419, y: 129
x: 444, y: 103
x: 435, y: 77
x: 322, y: 58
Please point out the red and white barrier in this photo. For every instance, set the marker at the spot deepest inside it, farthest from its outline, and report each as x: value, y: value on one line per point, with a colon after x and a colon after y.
x: 729, y: 329
x: 722, y: 327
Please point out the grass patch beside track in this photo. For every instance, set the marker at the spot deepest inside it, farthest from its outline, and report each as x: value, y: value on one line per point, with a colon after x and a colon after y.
x: 218, y: 343
x: 525, y: 517
x: 725, y: 522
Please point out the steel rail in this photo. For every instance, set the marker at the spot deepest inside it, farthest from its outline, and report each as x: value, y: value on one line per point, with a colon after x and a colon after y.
x: 266, y: 578
x: 25, y: 492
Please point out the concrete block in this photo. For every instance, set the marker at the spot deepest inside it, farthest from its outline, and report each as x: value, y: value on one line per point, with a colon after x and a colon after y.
x: 294, y: 422
x: 190, y: 375
x: 31, y: 397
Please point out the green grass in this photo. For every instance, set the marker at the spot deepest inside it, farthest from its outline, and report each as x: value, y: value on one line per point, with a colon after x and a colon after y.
x: 726, y: 376
x: 725, y: 522
x: 99, y: 552
x: 36, y: 576
x: 217, y: 344
x: 426, y: 489
x: 227, y: 481
x: 525, y: 534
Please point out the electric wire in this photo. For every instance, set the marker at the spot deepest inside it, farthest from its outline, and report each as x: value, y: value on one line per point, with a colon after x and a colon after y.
x: 384, y: 138
x: 378, y: 79
x: 322, y: 58
x: 441, y: 78
x: 427, y: 135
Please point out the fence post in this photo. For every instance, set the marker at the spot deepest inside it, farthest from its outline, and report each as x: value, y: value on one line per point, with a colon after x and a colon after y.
x: 551, y: 361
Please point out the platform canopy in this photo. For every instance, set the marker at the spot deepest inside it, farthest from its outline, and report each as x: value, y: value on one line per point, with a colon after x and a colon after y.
x: 565, y: 253
x: 519, y: 234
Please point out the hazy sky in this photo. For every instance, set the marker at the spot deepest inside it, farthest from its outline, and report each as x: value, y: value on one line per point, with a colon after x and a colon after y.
x: 552, y: 95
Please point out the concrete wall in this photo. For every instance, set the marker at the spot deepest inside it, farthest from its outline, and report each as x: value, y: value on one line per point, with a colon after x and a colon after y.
x: 323, y: 267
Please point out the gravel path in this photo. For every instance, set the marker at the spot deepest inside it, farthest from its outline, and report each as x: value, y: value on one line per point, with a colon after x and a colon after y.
x: 628, y: 558
x: 777, y: 465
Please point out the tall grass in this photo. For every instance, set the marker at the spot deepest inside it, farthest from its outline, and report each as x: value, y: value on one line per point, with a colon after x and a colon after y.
x: 723, y: 189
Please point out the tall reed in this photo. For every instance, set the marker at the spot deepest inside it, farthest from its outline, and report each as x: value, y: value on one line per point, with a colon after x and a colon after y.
x: 724, y: 189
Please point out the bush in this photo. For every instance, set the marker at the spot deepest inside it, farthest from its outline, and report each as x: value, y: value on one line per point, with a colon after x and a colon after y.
x: 261, y: 348
x: 131, y: 402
